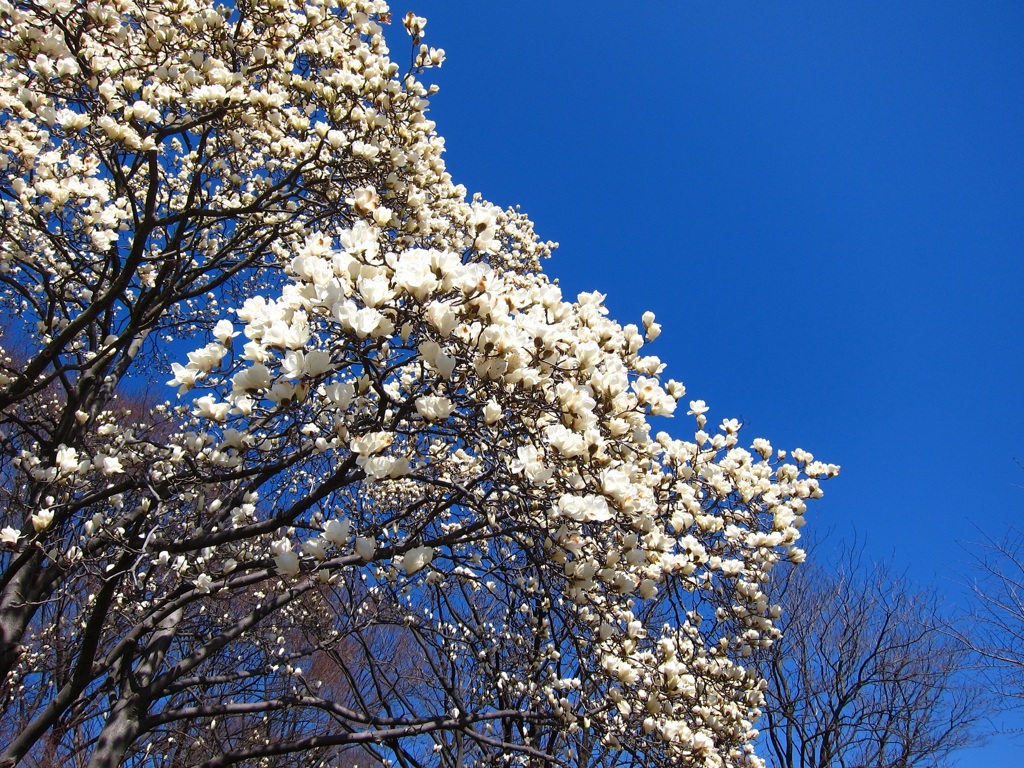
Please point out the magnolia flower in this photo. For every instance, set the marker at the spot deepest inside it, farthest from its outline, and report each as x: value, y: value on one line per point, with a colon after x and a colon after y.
x: 67, y: 460
x: 251, y: 379
x: 317, y: 243
x: 375, y: 291
x: 41, y: 520
x: 416, y: 559
x: 365, y: 548
x: 315, y: 547
x: 368, y: 322
x: 287, y: 563
x: 224, y: 332
x: 360, y: 240
x: 492, y: 412
x: 371, y: 443
x: 298, y: 364
x: 587, y: 509
x: 483, y: 223
x: 382, y: 215
x: 338, y: 531
x: 442, y: 317
x: 414, y: 273
x: 414, y: 24
x: 567, y: 442
x: 379, y: 467
x: 652, y: 330
x: 184, y: 378
x: 364, y: 199
x: 433, y: 407
x: 207, y: 358
x: 204, y: 583
x: 10, y: 536
x: 437, y: 358
x: 108, y: 465
x: 287, y: 335
x: 207, y: 407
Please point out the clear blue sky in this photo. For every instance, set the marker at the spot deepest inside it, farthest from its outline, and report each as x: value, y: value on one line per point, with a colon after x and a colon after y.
x: 823, y: 203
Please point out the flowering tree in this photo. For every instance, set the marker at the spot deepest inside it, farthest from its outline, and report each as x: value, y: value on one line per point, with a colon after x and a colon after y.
x: 407, y: 502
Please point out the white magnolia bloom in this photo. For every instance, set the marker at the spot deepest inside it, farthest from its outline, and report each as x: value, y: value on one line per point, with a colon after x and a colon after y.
x: 224, y: 332
x: 9, y: 535
x: 371, y: 443
x: 341, y: 394
x: 484, y: 224
x: 590, y: 508
x: 338, y: 532
x: 360, y: 240
x: 285, y: 560
x: 492, y: 412
x: 375, y: 290
x: 184, y: 378
x: 414, y: 273
x: 567, y: 442
x: 287, y: 563
x: 299, y: 365
x: 365, y: 199
x: 416, y: 559
x: 207, y: 407
x: 365, y: 548
x: 41, y: 520
x: 434, y: 407
x: 108, y: 465
x: 315, y: 547
x: 369, y: 322
x: 207, y: 358
x: 697, y: 408
x: 380, y: 467
x: 251, y: 379
x: 648, y: 589
x: 530, y: 462
x: 442, y: 317
x: 437, y: 358
x: 67, y: 460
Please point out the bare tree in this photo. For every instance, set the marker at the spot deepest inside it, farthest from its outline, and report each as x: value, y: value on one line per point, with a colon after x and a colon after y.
x: 997, y: 613
x: 867, y: 675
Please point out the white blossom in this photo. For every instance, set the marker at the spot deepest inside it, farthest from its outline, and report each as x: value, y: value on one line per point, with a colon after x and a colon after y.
x: 9, y: 535
x: 365, y: 548
x: 41, y: 520
x: 338, y: 532
x: 416, y: 559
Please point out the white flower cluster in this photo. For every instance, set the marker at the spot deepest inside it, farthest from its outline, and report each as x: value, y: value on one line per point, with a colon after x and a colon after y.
x: 468, y: 371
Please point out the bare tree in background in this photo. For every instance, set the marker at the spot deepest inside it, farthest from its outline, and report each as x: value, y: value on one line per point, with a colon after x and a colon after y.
x: 867, y: 674
x: 997, y: 614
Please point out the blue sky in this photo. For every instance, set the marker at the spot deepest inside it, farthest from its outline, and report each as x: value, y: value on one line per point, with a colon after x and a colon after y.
x: 823, y: 203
